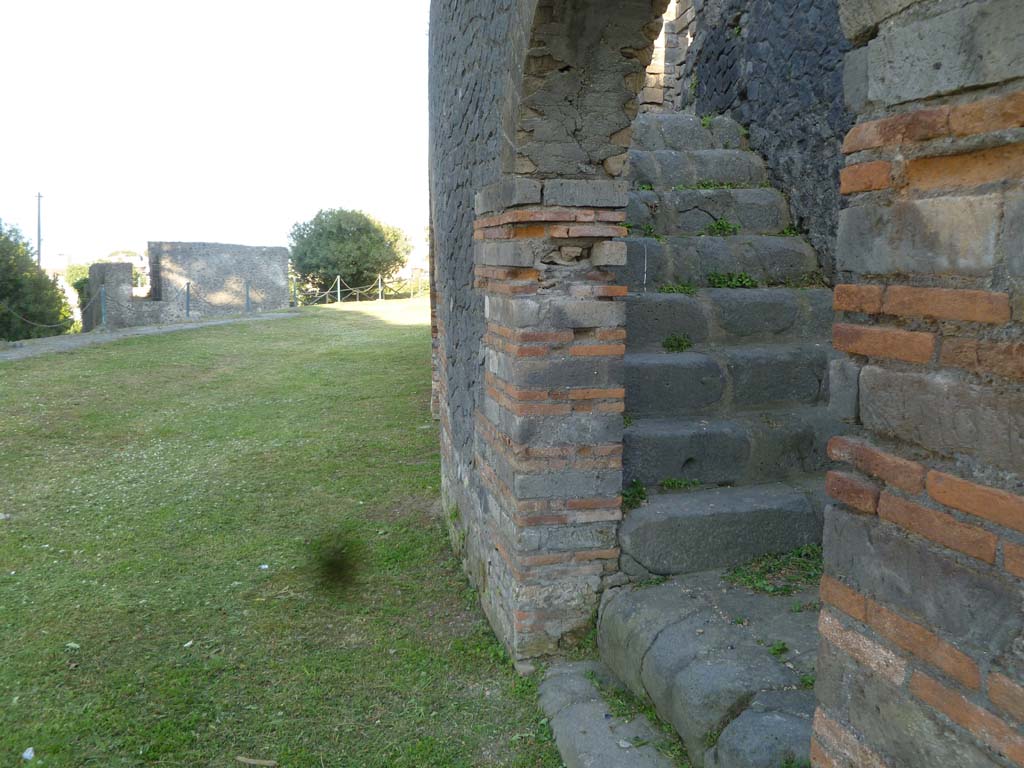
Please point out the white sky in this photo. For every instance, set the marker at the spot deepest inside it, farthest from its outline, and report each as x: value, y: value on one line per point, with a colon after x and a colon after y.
x: 209, y: 120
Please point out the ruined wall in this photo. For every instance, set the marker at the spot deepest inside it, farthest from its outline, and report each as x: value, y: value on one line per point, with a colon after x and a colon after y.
x: 776, y: 66
x: 922, y: 656
x: 220, y: 277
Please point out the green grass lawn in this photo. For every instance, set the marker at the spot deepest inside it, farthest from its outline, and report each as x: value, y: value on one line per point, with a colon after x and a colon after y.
x: 224, y: 542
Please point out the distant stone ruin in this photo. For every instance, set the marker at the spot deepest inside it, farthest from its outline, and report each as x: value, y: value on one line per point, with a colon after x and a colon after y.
x: 189, y: 281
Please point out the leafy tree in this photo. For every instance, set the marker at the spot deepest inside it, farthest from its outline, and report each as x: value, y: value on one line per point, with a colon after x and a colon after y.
x: 25, y: 290
x: 347, y: 243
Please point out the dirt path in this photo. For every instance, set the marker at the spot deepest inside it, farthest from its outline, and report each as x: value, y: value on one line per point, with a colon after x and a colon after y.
x: 34, y: 347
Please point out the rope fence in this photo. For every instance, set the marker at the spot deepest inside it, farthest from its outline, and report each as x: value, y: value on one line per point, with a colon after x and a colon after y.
x: 340, y: 291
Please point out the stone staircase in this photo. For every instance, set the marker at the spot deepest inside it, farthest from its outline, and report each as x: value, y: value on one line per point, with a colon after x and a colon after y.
x: 727, y: 425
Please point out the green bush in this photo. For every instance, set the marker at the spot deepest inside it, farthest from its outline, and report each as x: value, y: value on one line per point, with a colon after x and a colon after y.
x: 26, y: 292
x: 347, y: 243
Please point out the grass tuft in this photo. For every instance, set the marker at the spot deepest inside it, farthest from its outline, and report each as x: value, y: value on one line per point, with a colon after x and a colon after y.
x: 781, y: 574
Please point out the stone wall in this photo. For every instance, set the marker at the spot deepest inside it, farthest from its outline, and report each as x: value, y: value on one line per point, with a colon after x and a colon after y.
x: 531, y: 106
x: 776, y: 66
x: 922, y: 657
x: 222, y: 279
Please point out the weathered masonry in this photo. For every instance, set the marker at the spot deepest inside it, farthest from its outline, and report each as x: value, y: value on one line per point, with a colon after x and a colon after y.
x: 220, y: 279
x: 608, y: 180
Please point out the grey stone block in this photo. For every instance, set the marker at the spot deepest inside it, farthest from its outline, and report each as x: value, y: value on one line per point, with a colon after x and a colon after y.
x: 855, y: 80
x: 650, y: 317
x: 776, y: 373
x: 630, y: 621
x: 708, y: 692
x: 509, y: 191
x: 1011, y: 241
x: 844, y: 389
x: 944, y: 235
x: 666, y: 169
x: 715, y: 452
x: 976, y: 44
x: 977, y: 611
x: 861, y: 17
x: 746, y: 448
x: 671, y: 384
x: 508, y: 253
x: 727, y: 132
x: 942, y: 413
x: 756, y: 211
x: 587, y: 734
x: 571, y: 484
x: 776, y: 728
x: 723, y: 527
x: 679, y: 131
x: 597, y: 193
x: 689, y: 259
x: 757, y: 312
x: 554, y: 312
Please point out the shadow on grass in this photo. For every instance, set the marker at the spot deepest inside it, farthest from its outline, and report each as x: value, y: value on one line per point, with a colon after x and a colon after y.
x: 333, y: 559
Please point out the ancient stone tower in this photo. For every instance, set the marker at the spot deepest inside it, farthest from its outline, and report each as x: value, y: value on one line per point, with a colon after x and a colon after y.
x: 719, y: 279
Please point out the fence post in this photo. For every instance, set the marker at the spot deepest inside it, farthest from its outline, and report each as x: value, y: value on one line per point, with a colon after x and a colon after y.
x: 248, y: 304
x: 103, y: 306
x: 188, y: 300
x: 380, y: 288
x: 338, y: 284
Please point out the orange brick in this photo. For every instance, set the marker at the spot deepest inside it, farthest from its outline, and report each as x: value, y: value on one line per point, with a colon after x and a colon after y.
x: 865, y: 177
x: 1001, y: 358
x: 610, y: 334
x: 858, y: 298
x: 596, y: 503
x: 980, y: 722
x: 1001, y: 507
x: 938, y: 527
x: 819, y: 757
x: 867, y: 653
x: 593, y: 230
x: 924, y: 644
x: 539, y: 409
x: 895, y: 471
x: 968, y: 170
x: 534, y: 231
x: 1013, y: 559
x: 847, y: 749
x: 596, y: 554
x: 548, y: 336
x: 1007, y: 695
x: 947, y: 304
x: 598, y: 350
x: 596, y: 394
x: 988, y: 115
x: 507, y: 273
x: 875, y: 341
x: 849, y: 601
x: 920, y: 125
x: 611, y: 216
x: 852, y: 491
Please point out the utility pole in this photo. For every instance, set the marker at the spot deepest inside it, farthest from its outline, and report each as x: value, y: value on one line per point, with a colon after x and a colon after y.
x: 39, y: 229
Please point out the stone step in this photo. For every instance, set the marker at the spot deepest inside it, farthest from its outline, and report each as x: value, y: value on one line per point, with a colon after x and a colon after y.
x: 756, y: 211
x: 769, y: 445
x: 700, y: 651
x: 721, y: 379
x: 728, y: 316
x: 683, y: 131
x: 690, y: 531
x: 652, y: 263
x: 588, y: 735
x: 666, y: 169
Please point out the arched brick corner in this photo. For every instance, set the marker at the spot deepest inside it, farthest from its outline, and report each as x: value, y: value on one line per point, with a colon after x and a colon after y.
x: 547, y: 431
